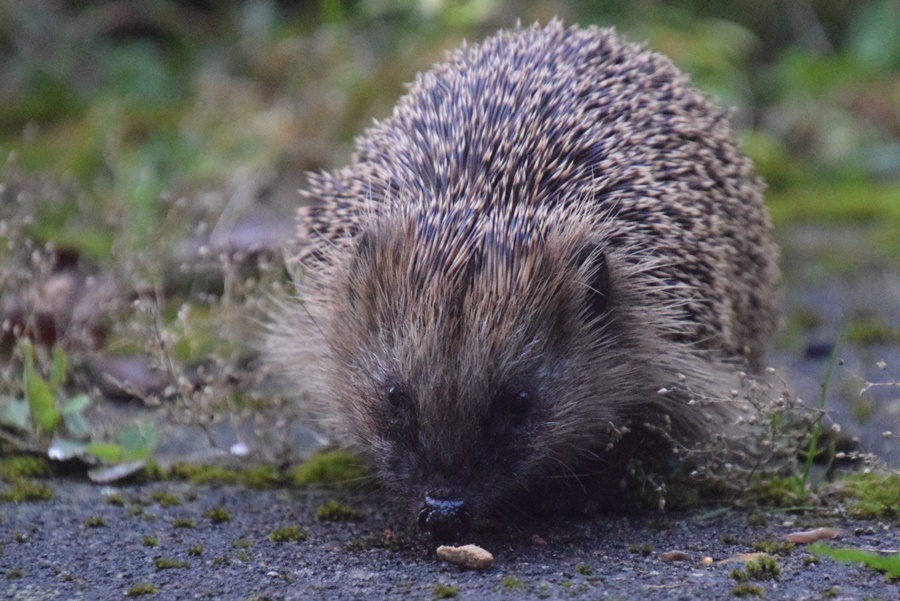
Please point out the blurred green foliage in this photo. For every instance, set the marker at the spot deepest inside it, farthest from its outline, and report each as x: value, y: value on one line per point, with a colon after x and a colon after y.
x: 140, y: 103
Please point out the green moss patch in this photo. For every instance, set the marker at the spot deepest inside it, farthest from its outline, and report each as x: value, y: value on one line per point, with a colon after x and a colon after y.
x: 288, y: 534
x: 19, y: 466
x: 218, y: 515
x: 259, y: 477
x: 774, y: 547
x: 778, y: 491
x: 26, y: 490
x: 167, y: 563
x: 332, y: 468
x: 745, y: 590
x: 443, y: 591
x: 184, y: 523
x: 166, y: 499
x: 873, y: 496
x: 889, y: 565
x: 764, y: 568
x: 141, y: 589
x: 332, y: 511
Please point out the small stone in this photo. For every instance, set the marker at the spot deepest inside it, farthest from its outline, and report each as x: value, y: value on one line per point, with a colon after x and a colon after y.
x: 469, y: 557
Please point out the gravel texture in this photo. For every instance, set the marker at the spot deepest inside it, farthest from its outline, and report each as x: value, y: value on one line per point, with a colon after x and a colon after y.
x: 48, y: 551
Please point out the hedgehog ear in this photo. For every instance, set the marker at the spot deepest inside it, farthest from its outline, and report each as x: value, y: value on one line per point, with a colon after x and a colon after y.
x: 591, y: 260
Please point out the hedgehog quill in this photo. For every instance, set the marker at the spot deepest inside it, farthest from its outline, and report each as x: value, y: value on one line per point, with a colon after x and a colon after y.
x: 552, y: 239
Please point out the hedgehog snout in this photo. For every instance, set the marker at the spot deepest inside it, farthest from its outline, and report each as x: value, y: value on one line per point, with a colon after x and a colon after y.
x: 444, y: 518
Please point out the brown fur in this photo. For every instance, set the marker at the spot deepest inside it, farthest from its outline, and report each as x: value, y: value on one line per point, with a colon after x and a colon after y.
x: 555, y: 212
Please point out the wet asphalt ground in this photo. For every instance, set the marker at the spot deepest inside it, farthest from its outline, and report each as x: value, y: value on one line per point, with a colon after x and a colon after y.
x: 57, y: 549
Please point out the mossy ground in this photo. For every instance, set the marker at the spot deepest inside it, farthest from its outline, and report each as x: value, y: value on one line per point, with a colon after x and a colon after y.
x: 571, y: 556
x: 874, y: 495
x: 334, y: 468
x: 332, y: 511
x: 288, y: 534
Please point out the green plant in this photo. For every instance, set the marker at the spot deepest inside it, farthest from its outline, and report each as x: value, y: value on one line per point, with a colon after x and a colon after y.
x: 813, y: 450
x: 511, y: 583
x: 874, y: 495
x: 443, y: 591
x: 889, y: 565
x: 330, y: 468
x: 46, y: 419
x: 218, y: 515
x: 288, y: 534
x: 141, y: 589
x: 764, y: 568
x: 747, y: 590
x: 332, y: 511
x: 166, y: 563
x: 773, y: 547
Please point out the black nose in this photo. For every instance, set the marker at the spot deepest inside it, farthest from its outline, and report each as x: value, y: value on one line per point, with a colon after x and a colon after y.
x: 444, y: 518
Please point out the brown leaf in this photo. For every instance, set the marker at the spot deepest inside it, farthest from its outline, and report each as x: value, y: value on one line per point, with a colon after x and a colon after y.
x: 674, y: 556
x: 743, y: 557
x: 810, y: 536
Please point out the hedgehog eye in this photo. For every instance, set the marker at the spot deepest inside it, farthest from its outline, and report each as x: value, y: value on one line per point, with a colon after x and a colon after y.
x: 397, y: 397
x: 399, y: 418
x: 516, y: 405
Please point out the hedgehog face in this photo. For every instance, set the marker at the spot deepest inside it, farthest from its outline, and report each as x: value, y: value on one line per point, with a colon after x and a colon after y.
x: 464, y: 370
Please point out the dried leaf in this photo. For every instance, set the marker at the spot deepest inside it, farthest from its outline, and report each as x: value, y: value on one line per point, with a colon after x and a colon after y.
x: 810, y: 536
x: 104, y: 475
x: 15, y: 413
x: 44, y: 415
x: 743, y: 558
x: 62, y: 449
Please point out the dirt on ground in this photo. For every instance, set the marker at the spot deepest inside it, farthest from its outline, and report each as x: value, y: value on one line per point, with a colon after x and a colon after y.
x: 174, y: 540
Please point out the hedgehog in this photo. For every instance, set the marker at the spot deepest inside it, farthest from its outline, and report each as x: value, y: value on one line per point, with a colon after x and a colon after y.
x: 553, y: 239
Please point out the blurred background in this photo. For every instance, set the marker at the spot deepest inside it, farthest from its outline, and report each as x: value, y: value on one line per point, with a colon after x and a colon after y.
x: 150, y: 153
